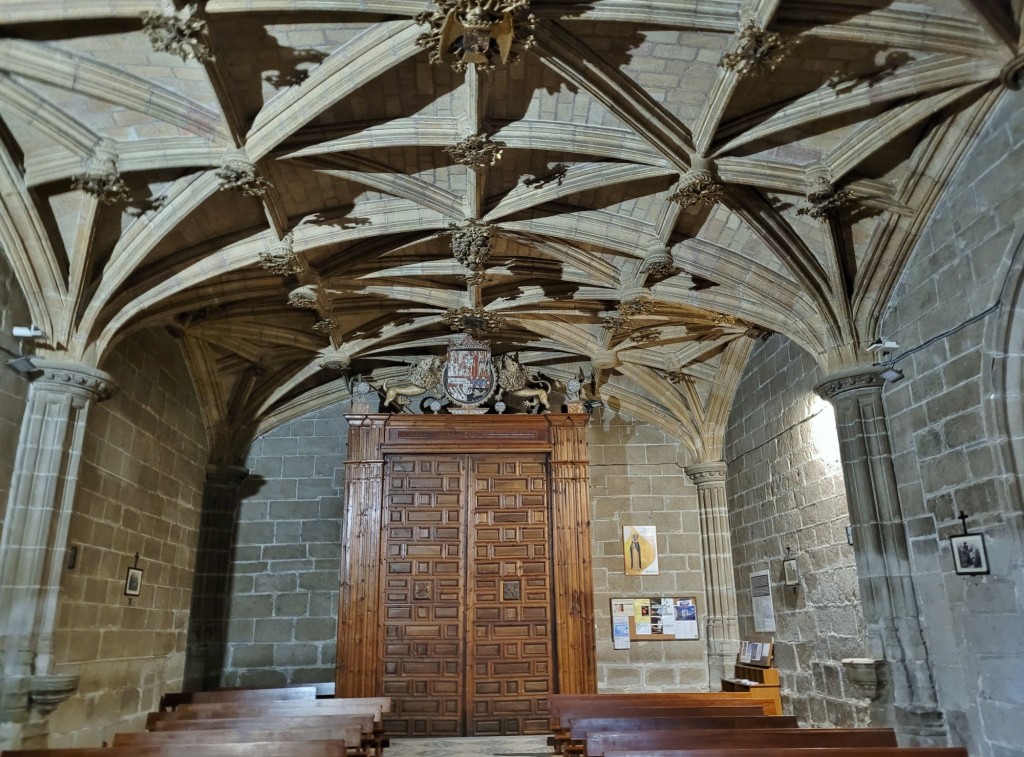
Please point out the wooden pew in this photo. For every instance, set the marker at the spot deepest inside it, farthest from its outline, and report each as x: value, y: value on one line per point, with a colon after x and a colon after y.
x: 580, y: 728
x: 598, y: 744
x: 371, y: 736
x: 174, y: 700
x: 905, y: 751
x: 566, y: 703
x: 255, y: 749
x: 313, y: 707
x: 343, y: 734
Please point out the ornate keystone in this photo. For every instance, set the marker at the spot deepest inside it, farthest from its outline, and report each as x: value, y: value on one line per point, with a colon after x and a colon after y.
x: 306, y: 297
x: 471, y: 245
x: 824, y: 199
x: 758, y: 51
x: 238, y: 172
x: 101, y: 178
x: 477, y: 151
x: 473, y: 321
x: 477, y: 32
x: 178, y: 33
x: 658, y: 263
x: 698, y: 186
x: 281, y: 258
x: 325, y: 326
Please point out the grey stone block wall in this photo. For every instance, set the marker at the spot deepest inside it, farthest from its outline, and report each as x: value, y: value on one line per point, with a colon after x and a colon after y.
x: 282, y: 625
x: 951, y: 420
x: 13, y: 388
x: 637, y: 478
x: 139, y: 491
x: 785, y: 490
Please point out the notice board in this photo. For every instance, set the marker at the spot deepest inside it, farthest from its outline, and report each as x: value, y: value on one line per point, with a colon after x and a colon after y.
x: 653, y: 619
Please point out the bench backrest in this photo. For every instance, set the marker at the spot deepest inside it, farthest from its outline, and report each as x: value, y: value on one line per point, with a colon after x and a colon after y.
x: 378, y: 704
x: 905, y: 751
x: 346, y: 734
x: 259, y: 749
x: 286, y: 694
x: 662, y: 711
x: 265, y: 710
x: 363, y: 722
x: 584, y: 726
x: 600, y: 743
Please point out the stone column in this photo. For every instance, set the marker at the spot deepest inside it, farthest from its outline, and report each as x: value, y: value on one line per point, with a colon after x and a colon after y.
x: 906, y: 698
x: 207, y: 624
x: 719, y: 579
x: 32, y: 546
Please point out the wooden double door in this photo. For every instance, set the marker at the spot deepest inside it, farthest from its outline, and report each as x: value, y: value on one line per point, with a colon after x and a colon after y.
x: 466, y: 594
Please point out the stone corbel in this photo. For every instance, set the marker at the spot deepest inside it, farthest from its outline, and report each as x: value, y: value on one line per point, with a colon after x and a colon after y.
x: 46, y: 692
x: 865, y: 675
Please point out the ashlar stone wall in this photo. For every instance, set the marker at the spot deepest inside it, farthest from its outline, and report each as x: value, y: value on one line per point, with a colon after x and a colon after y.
x: 954, y: 424
x: 637, y: 479
x: 140, y: 490
x: 13, y: 388
x: 786, y: 498
x: 284, y: 587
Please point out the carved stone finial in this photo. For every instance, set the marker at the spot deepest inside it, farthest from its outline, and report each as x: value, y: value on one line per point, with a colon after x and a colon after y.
x: 473, y: 321
x: 306, y: 297
x: 758, y: 51
x: 1012, y: 75
x: 823, y: 198
x: 471, y: 244
x: 281, y: 258
x: 477, y: 151
x: 481, y: 33
x: 178, y: 33
x: 237, y: 171
x: 658, y: 263
x: 101, y: 178
x: 698, y: 186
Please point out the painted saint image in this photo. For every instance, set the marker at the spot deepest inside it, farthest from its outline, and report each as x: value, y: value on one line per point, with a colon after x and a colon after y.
x: 640, y: 550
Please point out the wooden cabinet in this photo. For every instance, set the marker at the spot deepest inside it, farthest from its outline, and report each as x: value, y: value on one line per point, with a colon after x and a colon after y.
x: 762, y: 683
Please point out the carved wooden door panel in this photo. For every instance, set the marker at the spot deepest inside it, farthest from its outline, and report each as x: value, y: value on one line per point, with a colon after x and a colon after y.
x: 509, y: 603
x: 467, y: 602
x: 423, y: 595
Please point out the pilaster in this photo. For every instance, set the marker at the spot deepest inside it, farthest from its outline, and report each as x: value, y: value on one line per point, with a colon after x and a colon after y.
x: 907, y: 700
x: 207, y: 630
x: 719, y: 579
x: 34, y: 537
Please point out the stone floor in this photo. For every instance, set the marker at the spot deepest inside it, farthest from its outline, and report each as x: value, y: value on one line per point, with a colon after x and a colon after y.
x: 480, y: 746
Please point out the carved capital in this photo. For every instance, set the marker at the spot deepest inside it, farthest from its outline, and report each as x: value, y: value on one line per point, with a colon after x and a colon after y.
x: 823, y: 198
x: 226, y: 476
x: 698, y: 186
x: 73, y: 378
x: 101, y: 178
x: 281, y: 258
x: 237, y: 171
x: 46, y: 692
x: 704, y: 474
x: 856, y: 380
x: 658, y: 263
x: 306, y: 297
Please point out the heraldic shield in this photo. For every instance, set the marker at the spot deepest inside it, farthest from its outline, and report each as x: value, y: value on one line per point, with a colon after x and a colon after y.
x: 469, y: 376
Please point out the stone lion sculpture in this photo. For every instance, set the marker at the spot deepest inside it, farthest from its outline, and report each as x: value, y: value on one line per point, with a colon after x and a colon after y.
x: 513, y: 378
x: 422, y: 377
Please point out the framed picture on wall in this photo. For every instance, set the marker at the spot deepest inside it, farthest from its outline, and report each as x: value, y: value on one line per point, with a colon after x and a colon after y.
x: 970, y: 558
x: 640, y: 550
x: 133, y: 582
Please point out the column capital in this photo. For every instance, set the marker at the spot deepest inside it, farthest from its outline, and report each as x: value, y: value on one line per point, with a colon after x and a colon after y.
x: 859, y: 380
x: 706, y: 473
x: 226, y: 475
x: 72, y: 378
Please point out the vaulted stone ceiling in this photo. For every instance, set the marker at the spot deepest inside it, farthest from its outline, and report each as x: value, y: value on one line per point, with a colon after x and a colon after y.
x: 675, y: 178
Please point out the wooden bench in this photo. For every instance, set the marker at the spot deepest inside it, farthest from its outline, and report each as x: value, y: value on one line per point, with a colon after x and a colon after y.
x: 351, y: 735
x: 267, y: 709
x: 255, y: 749
x: 598, y: 744
x: 906, y: 751
x: 579, y: 729
x: 288, y: 693
x: 372, y: 738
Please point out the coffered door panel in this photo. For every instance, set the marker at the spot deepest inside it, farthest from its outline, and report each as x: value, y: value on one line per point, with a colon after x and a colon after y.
x: 509, y: 602
x: 423, y: 594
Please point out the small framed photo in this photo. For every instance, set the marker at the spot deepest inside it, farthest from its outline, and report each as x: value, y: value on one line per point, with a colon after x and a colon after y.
x: 791, y: 572
x: 969, y: 555
x: 133, y: 582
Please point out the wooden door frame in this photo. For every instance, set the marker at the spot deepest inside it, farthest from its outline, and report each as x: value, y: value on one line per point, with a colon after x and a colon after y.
x: 360, y: 651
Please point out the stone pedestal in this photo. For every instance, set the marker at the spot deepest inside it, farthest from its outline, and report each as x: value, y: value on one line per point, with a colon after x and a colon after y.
x: 207, y: 627
x: 906, y: 699
x: 34, y: 537
x: 719, y: 579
